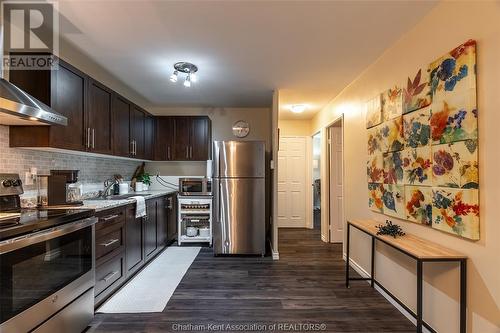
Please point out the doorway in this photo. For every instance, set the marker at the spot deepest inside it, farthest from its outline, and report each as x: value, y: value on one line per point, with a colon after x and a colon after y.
x: 335, y: 171
x: 316, y: 180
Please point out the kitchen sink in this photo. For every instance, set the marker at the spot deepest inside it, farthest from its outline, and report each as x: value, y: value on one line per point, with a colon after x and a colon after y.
x: 121, y: 196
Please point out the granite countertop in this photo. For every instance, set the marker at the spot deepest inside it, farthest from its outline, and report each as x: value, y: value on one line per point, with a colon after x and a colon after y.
x: 100, y: 205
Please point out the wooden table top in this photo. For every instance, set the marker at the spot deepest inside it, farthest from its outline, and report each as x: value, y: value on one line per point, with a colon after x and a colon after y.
x: 410, y: 244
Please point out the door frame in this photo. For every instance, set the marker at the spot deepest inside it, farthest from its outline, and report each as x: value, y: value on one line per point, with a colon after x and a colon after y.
x: 325, y: 174
x: 309, y: 193
x: 311, y: 167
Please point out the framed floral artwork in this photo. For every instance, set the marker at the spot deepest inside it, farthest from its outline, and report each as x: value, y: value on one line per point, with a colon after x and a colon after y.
x: 375, y: 168
x: 393, y: 168
x: 455, y: 165
x: 376, y: 142
x: 393, y: 200
x: 392, y: 134
x: 375, y: 197
x: 392, y: 103
x: 417, y: 166
x: 417, y: 93
x: 418, y: 204
x: 454, y: 119
x: 456, y: 211
x: 374, y: 111
x: 454, y: 72
x: 416, y: 128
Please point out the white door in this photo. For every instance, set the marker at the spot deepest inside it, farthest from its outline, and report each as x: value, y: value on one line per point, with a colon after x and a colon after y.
x: 336, y: 185
x: 292, y: 173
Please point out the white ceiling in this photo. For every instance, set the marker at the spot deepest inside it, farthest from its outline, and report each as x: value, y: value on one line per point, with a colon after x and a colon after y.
x: 309, y: 50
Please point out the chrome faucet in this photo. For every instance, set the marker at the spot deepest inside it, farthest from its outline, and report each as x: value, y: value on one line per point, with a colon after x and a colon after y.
x: 108, y: 184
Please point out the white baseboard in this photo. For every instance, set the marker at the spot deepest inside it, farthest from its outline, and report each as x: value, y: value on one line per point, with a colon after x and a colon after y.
x: 361, y: 271
x: 276, y: 255
x: 323, y: 238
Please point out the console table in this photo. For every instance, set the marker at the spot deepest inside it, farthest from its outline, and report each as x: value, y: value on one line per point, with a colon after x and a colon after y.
x: 422, y: 251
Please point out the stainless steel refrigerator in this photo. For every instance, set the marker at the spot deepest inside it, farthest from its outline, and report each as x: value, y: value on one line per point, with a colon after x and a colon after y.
x: 239, y: 197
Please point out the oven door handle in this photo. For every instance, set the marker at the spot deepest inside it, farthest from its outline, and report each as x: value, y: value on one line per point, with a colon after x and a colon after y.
x: 44, y: 235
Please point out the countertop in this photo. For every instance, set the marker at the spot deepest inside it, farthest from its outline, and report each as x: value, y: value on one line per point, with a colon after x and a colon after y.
x: 100, y: 205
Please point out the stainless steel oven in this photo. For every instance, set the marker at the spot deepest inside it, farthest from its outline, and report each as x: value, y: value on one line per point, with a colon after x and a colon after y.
x: 47, y: 279
x: 195, y: 186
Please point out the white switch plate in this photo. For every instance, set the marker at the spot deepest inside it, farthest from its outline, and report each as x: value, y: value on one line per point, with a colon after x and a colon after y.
x: 28, y: 179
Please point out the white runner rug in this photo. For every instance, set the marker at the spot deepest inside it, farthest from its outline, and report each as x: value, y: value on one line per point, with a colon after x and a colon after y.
x: 150, y: 289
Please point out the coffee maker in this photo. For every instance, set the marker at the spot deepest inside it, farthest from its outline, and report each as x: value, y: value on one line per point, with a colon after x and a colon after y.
x: 62, y: 188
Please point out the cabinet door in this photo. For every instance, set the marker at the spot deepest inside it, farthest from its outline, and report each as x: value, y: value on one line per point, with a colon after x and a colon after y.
x: 99, y: 115
x: 149, y: 135
x: 200, y: 137
x: 68, y: 91
x: 150, y: 235
x: 164, y: 138
x: 181, y: 135
x: 161, y: 220
x: 134, y: 241
x: 172, y: 218
x: 121, y: 126
x: 137, y: 131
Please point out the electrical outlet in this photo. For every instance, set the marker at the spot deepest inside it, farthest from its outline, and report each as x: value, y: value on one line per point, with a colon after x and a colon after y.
x: 28, y: 178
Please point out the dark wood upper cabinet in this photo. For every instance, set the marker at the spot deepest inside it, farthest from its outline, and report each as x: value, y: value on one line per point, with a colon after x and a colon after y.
x: 99, y: 118
x: 149, y: 137
x: 121, y: 126
x: 164, y: 138
x: 65, y: 91
x: 200, y: 139
x: 137, y: 119
x: 182, y: 138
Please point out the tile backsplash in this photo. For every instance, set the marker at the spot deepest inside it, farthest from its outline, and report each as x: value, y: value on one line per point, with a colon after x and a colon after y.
x: 92, y: 169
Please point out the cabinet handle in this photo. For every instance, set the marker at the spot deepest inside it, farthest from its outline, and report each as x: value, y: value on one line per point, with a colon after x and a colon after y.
x: 111, y: 242
x: 88, y: 137
x: 93, y: 138
x: 190, y: 151
x: 168, y: 152
x: 135, y: 147
x: 109, y: 276
x: 187, y: 152
x: 110, y: 217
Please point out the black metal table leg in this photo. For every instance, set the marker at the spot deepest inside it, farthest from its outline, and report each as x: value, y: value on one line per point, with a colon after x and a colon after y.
x: 463, y: 296
x: 347, y: 257
x: 419, y: 296
x: 372, y: 281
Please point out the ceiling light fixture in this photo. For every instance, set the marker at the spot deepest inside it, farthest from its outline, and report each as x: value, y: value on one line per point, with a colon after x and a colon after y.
x: 173, y: 77
x: 298, y: 108
x: 187, y: 68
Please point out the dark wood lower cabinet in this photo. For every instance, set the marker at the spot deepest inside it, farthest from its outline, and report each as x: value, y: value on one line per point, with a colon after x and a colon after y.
x: 150, y: 230
x: 124, y: 243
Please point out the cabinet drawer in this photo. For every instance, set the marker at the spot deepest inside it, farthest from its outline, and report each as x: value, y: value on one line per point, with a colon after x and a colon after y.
x: 108, y: 218
x: 108, y: 242
x: 108, y: 273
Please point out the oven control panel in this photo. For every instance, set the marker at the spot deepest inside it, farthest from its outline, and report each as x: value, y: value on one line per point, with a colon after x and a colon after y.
x: 10, y: 184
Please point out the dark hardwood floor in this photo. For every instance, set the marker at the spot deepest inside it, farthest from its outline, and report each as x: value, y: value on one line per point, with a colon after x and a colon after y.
x: 305, y: 286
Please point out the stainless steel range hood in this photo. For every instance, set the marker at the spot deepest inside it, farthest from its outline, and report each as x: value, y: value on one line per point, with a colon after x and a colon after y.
x: 19, y: 108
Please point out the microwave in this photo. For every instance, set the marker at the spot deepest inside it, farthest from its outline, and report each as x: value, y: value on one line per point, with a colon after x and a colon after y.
x: 195, y: 186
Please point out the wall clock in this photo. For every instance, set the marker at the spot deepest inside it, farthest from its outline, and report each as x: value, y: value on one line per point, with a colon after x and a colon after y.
x: 241, y: 129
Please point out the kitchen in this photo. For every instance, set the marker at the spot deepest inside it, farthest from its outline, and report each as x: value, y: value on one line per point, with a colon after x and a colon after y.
x: 202, y: 165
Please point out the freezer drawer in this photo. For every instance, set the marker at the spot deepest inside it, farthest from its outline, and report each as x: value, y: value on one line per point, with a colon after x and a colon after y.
x: 239, y: 159
x: 240, y: 216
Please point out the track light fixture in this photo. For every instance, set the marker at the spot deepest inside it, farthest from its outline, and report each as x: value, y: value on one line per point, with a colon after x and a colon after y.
x: 187, y: 68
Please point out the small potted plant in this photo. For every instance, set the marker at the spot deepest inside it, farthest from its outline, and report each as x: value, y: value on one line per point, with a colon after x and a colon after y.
x: 145, y: 178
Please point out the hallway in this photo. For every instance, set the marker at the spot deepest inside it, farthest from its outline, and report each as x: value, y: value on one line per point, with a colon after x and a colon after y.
x: 305, y: 286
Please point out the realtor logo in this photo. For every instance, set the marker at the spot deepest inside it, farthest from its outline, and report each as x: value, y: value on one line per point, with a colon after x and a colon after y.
x: 30, y: 34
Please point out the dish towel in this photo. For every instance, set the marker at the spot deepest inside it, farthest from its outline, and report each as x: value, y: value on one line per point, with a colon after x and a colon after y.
x: 140, y: 206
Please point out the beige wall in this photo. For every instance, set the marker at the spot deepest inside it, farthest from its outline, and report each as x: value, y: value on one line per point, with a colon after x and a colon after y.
x: 445, y: 27
x: 295, y: 127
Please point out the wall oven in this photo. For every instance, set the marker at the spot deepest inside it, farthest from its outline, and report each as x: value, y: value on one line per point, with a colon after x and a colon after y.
x: 47, y: 279
x: 195, y: 186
